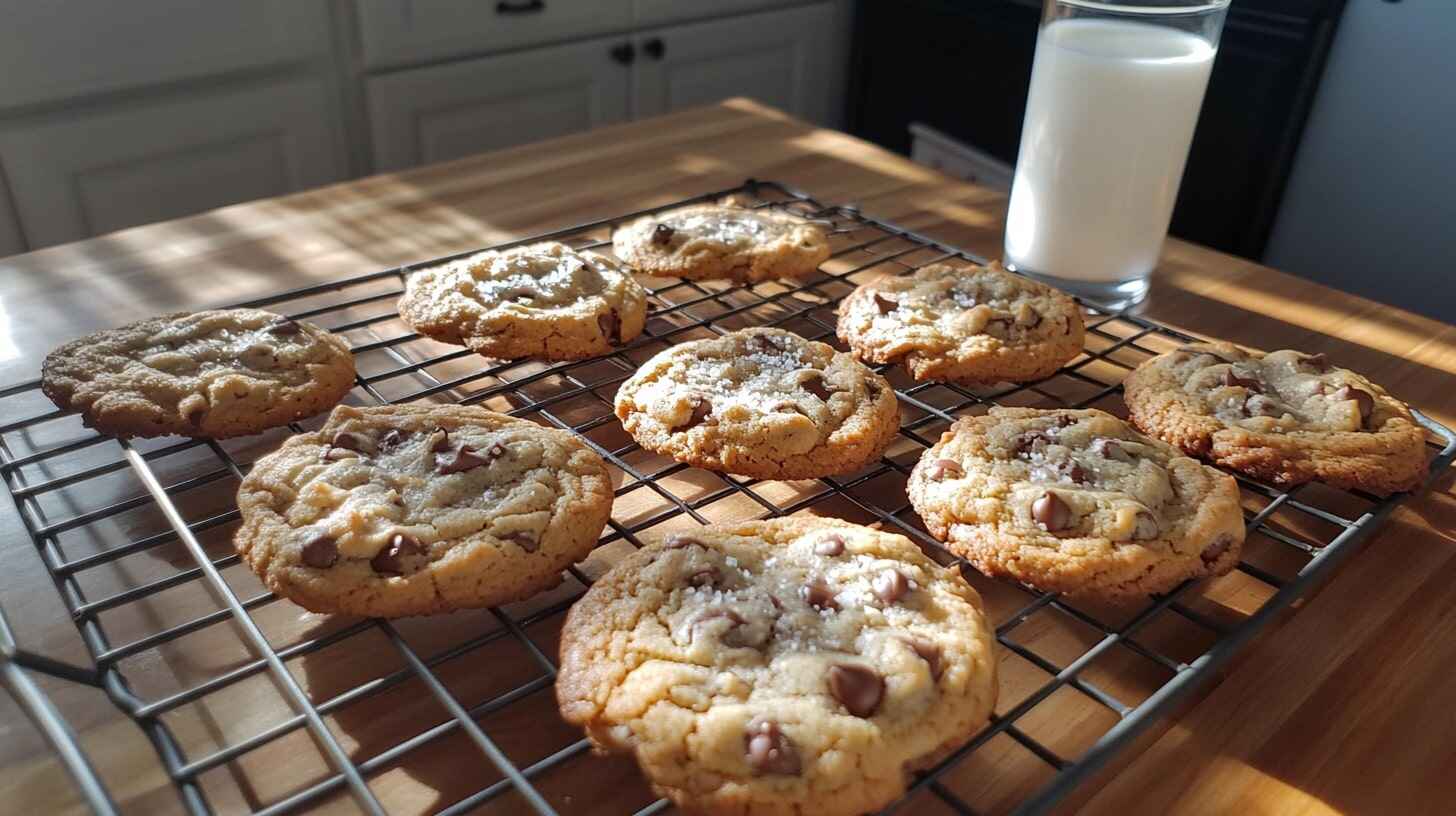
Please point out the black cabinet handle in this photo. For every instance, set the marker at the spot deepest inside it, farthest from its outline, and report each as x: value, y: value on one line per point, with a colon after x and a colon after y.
x: 624, y: 54
x: 527, y: 7
x: 654, y: 48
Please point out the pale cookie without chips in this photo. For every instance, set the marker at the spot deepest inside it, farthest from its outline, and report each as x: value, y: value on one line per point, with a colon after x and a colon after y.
x: 1076, y: 502
x: 417, y: 509
x: 789, y: 666
x: 963, y: 324
x: 1285, y: 417
x: 210, y: 374
x: 760, y: 402
x: 544, y: 300
x: 723, y: 241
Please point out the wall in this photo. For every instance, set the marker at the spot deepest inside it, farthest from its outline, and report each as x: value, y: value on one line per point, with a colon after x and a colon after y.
x: 1371, y: 204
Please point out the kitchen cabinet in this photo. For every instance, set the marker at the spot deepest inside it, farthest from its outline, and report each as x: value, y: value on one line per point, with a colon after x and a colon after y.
x: 448, y: 111
x: 87, y: 173
x: 964, y: 67
x: 657, y: 12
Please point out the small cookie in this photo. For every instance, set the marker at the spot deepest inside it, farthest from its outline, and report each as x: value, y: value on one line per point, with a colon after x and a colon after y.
x: 723, y: 241
x: 542, y: 300
x: 1076, y: 502
x: 971, y: 325
x: 416, y: 509
x: 760, y: 402
x: 789, y: 666
x: 210, y: 375
x: 1285, y: 417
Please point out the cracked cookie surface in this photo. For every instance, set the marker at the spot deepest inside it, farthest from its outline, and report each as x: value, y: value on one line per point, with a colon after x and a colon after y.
x: 760, y: 402
x: 963, y: 324
x: 416, y: 509
x: 1076, y: 502
x: 723, y: 241
x: 1285, y: 417
x: 210, y: 374
x: 787, y: 666
x: 542, y: 300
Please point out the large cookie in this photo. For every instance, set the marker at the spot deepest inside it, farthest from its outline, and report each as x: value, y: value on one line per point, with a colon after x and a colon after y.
x: 723, y: 241
x: 415, y: 509
x: 970, y: 325
x: 212, y: 374
x: 760, y: 402
x: 1076, y: 502
x: 1286, y: 417
x: 789, y: 666
x: 543, y: 300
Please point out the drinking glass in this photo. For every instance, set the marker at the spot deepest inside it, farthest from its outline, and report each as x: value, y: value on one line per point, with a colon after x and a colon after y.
x: 1115, y: 91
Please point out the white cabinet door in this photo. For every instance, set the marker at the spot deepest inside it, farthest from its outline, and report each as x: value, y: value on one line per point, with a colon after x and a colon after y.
x: 786, y: 59
x: 403, y: 32
x: 657, y: 12
x: 448, y: 111
x: 83, y: 174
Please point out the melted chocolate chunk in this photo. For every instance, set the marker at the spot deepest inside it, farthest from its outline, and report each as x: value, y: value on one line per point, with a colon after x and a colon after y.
x: 611, y: 325
x: 733, y: 635
x: 1030, y: 442
x: 884, y: 304
x: 890, y: 585
x: 320, y: 552
x: 815, y: 385
x: 817, y: 594
x: 929, y: 652
x: 442, y: 441
x: 1364, y: 399
x: 702, y: 412
x: 856, y: 688
x: 1110, y: 449
x: 402, y: 555
x: 830, y: 545
x: 284, y: 327
x: 463, y: 458
x: 350, y: 440
x: 1319, y: 362
x: 662, y: 234
x: 768, y: 750
x: 1051, y: 512
x: 1232, y: 380
x: 942, y: 469
x: 391, y: 440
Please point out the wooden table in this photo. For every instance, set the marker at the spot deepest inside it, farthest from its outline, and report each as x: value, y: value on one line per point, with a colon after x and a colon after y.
x: 1345, y: 706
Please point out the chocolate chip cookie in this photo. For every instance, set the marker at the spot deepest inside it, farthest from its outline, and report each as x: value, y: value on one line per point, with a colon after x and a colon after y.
x: 723, y: 241
x: 544, y: 300
x: 760, y: 402
x: 1285, y: 417
x: 787, y: 666
x: 416, y: 509
x: 1076, y: 502
x: 963, y: 324
x: 211, y: 375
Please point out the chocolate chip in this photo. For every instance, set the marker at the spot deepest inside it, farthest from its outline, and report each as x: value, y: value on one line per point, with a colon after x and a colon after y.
x: 1051, y: 512
x: 1232, y: 380
x: 440, y: 440
x: 815, y: 385
x: 610, y: 324
x: 662, y: 234
x: 284, y: 327
x: 817, y: 594
x: 350, y: 440
x: 706, y: 577
x: 496, y: 451
x: 1318, y: 362
x: 856, y: 688
x: 1030, y: 442
x: 320, y: 552
x: 399, y: 557
x: 460, y: 460
x: 733, y: 635
x: 942, y: 469
x: 522, y: 539
x: 1063, y: 420
x: 1110, y: 449
x: 884, y: 304
x: 928, y: 652
x: 1075, y: 472
x: 890, y: 585
x: 1364, y: 399
x: 391, y: 440
x: 702, y: 412
x: 761, y: 344
x: 831, y: 545
x: 1145, y: 527
x: 1219, y: 546
x: 768, y: 750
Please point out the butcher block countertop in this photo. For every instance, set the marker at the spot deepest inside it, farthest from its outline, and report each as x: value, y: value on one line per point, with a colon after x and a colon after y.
x: 1345, y: 704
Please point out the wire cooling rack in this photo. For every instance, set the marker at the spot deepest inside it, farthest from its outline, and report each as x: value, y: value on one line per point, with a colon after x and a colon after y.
x: 254, y: 706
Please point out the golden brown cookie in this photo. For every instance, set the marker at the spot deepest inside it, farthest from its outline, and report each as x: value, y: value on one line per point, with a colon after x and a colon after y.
x: 1076, y: 502
x: 415, y: 509
x: 789, y: 666
x: 1285, y: 417
x: 963, y: 324
x: 723, y: 241
x: 212, y: 374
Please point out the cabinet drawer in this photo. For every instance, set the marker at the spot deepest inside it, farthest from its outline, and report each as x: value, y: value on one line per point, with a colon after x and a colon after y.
x: 64, y: 48
x: 401, y: 32
x: 655, y: 12
x: 447, y: 111
x: 93, y: 172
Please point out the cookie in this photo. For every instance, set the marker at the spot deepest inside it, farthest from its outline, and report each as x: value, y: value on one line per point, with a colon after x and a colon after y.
x: 544, y: 300
x: 416, y: 509
x: 1076, y: 502
x: 760, y: 402
x: 974, y: 324
x: 788, y: 666
x: 211, y: 375
x: 723, y: 241
x: 1285, y: 417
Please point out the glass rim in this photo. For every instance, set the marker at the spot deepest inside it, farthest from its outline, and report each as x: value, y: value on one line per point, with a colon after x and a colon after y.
x: 1187, y: 7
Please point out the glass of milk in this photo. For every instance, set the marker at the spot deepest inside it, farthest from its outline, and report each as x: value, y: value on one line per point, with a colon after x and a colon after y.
x: 1115, y: 92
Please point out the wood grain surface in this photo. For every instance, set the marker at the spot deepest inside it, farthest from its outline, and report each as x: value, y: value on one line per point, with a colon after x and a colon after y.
x: 1345, y: 705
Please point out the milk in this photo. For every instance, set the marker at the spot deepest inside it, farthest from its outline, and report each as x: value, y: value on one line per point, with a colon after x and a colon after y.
x: 1108, y: 122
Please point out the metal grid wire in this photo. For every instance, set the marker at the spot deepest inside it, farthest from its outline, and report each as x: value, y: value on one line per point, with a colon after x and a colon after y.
x: 93, y: 504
